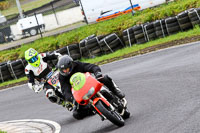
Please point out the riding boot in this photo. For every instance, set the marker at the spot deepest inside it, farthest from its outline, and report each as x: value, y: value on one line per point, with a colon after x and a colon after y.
x: 112, y: 86
x: 115, y: 89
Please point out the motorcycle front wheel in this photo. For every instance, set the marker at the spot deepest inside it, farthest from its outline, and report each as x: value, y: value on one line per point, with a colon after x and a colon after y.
x: 126, y: 114
x: 113, y: 116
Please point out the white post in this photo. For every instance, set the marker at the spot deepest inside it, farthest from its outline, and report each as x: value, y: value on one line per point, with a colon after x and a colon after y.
x: 19, y: 9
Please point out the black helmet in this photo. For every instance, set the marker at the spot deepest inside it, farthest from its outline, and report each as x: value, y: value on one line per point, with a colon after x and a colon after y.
x: 65, y: 65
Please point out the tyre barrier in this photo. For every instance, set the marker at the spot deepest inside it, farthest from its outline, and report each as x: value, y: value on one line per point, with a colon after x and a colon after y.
x: 184, y: 21
x: 139, y: 33
x: 52, y: 63
x: 150, y: 31
x: 93, y: 45
x: 84, y: 52
x: 5, y: 74
x: 16, y: 68
x: 129, y: 37
x: 71, y: 50
x: 111, y: 43
x: 160, y: 28
x: 3, y: 63
x: 172, y: 25
x: 194, y: 16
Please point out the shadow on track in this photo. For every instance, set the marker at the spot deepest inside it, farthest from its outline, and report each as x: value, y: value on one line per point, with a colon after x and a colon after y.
x: 72, y: 120
x: 111, y: 127
x: 108, y: 128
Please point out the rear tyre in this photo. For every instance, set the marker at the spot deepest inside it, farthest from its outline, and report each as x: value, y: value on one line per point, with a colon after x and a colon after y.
x: 113, y: 116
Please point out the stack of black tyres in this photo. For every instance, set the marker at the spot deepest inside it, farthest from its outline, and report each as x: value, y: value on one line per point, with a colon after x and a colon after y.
x: 111, y: 43
x: 172, y: 25
x: 93, y: 47
x: 16, y: 68
x: 72, y: 50
x: 52, y: 63
x: 5, y: 75
x: 184, y: 21
x: 194, y: 16
x: 84, y: 52
x: 129, y: 37
x: 150, y: 31
x: 160, y: 28
x: 139, y: 33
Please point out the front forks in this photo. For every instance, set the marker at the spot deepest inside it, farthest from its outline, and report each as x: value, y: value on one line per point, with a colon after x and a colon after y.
x: 124, y: 106
x: 104, y: 100
x: 123, y: 101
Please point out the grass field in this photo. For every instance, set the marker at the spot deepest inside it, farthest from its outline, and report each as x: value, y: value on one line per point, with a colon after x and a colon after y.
x: 13, y: 10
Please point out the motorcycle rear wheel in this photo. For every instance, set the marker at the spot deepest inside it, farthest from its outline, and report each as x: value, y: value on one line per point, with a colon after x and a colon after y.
x: 113, y: 116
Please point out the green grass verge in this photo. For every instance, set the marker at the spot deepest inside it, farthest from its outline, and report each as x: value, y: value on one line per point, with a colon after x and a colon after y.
x: 127, y: 50
x: 116, y: 25
x: 2, y: 131
x: 13, y: 81
x: 28, y: 6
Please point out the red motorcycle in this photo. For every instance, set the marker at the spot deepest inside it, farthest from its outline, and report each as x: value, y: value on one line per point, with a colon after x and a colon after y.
x: 88, y: 90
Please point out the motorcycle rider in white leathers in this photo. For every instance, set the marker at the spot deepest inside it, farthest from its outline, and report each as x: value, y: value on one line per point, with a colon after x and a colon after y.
x: 37, y: 69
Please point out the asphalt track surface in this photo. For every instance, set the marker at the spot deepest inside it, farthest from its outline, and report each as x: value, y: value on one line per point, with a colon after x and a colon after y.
x: 162, y: 89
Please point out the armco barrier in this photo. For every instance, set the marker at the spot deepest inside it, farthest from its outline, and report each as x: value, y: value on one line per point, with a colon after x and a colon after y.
x: 98, y: 45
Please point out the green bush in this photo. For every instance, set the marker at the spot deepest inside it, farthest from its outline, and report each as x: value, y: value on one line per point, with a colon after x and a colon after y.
x: 4, y: 4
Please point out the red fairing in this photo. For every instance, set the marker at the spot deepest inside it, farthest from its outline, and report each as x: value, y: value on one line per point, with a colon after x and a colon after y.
x: 90, y: 82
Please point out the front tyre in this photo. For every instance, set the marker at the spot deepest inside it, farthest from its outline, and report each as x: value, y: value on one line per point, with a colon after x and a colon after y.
x: 126, y: 114
x: 113, y: 116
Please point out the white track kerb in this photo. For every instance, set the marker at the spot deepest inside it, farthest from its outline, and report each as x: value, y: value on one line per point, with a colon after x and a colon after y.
x: 30, y: 125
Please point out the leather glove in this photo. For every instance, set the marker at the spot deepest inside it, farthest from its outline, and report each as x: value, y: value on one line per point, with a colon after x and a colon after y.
x: 98, y: 75
x: 38, y: 88
x: 68, y: 105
